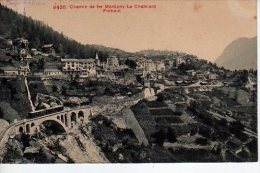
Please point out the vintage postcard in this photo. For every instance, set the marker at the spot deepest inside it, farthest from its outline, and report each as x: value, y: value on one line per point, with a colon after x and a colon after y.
x: 128, y: 81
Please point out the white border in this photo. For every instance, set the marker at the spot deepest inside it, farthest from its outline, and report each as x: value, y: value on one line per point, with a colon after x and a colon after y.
x: 134, y: 168
x: 149, y: 168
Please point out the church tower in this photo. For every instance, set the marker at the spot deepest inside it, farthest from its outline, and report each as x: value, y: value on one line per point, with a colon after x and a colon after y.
x: 97, y: 60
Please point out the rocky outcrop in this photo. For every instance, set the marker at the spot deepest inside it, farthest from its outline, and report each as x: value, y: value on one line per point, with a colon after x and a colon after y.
x: 3, y: 125
x: 133, y: 124
x: 148, y: 92
x: 79, y: 148
x: 77, y: 100
x: 45, y: 101
x: 9, y: 113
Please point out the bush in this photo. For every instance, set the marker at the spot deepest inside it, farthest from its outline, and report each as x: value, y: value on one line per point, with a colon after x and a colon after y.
x: 63, y: 90
x: 236, y: 128
x: 202, y: 141
x: 252, y: 146
x: 160, y: 98
x: 54, y: 88
x: 178, y: 112
x: 193, y: 131
x: 159, y: 136
x: 4, y: 81
x: 171, y: 135
x: 1, y: 113
x: 205, y: 131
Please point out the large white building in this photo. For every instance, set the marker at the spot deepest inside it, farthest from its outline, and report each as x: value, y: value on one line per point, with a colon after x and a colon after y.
x: 15, y: 71
x: 112, y: 62
x: 180, y: 60
x: 52, y: 72
x: 149, y: 66
x: 160, y: 66
x: 84, y: 67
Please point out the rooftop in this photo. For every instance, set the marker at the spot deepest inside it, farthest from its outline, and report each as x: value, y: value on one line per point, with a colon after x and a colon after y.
x: 51, y: 70
x: 77, y: 60
x: 8, y: 68
x: 47, y: 45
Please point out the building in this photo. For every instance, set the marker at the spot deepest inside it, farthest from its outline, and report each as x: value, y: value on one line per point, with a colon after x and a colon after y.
x: 180, y: 60
x: 200, y: 76
x: 15, y: 71
x: 191, y: 58
x: 251, y: 83
x: 9, y: 71
x: 169, y: 62
x: 24, y: 70
x: 97, y: 60
x: 48, y: 48
x: 112, y: 62
x: 160, y: 66
x: 149, y: 66
x: 191, y: 73
x: 84, y: 67
x: 52, y: 72
x: 5, y: 43
x: 23, y: 52
x: 100, y: 72
x: 34, y: 51
x: 28, y: 56
x: 212, y: 76
x: 140, y: 61
x: 21, y: 43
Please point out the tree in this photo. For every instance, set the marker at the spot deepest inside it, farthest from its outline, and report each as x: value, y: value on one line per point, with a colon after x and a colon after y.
x: 102, y: 56
x: 4, y: 81
x: 171, y: 135
x: 10, y: 61
x: 131, y: 63
x: 39, y: 33
x: 252, y: 146
x: 63, y: 90
x: 236, y: 126
x: 237, y: 129
x: 185, y: 67
x: 41, y: 64
x: 205, y: 131
x: 54, y: 88
x: 1, y: 113
x: 159, y: 136
x: 193, y: 131
x: 160, y: 98
x: 202, y: 141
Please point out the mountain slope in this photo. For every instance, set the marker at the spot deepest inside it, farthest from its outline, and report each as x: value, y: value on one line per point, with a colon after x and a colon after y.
x: 240, y: 54
x: 14, y: 25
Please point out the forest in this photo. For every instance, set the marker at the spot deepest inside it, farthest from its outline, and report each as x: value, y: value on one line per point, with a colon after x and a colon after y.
x: 14, y: 25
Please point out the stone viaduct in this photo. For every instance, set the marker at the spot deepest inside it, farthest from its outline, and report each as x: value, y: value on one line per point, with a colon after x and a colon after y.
x: 65, y: 119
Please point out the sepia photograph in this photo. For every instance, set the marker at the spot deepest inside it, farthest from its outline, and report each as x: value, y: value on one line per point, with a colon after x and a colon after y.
x: 128, y: 81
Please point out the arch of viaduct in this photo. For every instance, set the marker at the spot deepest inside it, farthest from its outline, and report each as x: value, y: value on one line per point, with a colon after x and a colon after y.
x: 66, y: 119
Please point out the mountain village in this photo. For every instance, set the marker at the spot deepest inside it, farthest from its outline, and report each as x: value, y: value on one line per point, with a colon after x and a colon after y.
x: 170, y: 105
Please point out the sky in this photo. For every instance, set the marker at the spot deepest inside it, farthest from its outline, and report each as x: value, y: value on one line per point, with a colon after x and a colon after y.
x: 200, y: 27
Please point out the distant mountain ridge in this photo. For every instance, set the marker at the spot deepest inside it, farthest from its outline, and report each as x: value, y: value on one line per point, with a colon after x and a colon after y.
x: 240, y: 54
x: 152, y: 52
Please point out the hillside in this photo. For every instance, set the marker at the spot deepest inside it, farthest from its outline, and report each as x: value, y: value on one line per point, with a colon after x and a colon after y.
x: 159, y: 54
x: 152, y: 52
x: 14, y: 25
x: 240, y: 54
x: 112, y: 51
